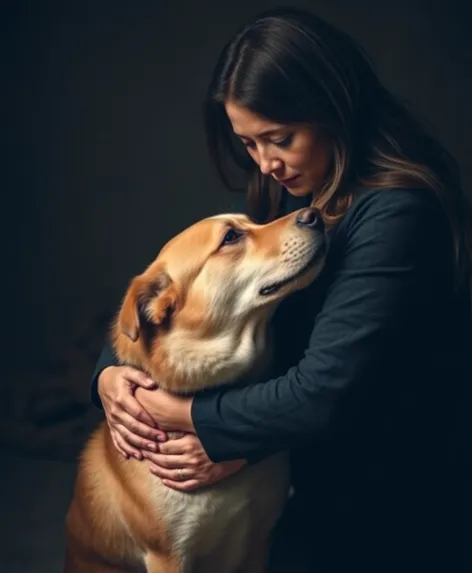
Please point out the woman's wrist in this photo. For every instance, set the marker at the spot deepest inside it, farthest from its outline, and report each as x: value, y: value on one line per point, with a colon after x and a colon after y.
x: 171, y: 412
x: 102, y: 376
x: 175, y: 414
x: 179, y: 415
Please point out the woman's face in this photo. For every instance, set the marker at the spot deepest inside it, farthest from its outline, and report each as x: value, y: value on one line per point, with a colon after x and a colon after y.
x: 293, y: 154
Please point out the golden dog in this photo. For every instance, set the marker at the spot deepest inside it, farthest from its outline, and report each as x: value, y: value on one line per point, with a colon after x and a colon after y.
x: 197, y: 317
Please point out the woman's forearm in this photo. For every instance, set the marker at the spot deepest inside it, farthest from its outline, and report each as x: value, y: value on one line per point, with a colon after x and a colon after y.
x: 169, y: 412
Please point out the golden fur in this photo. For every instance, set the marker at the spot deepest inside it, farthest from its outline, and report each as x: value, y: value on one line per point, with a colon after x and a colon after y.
x: 195, y: 318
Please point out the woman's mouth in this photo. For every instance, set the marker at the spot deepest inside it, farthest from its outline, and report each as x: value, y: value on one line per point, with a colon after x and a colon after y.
x: 289, y: 181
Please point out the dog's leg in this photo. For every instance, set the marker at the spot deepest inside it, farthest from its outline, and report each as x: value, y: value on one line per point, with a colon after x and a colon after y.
x: 81, y: 560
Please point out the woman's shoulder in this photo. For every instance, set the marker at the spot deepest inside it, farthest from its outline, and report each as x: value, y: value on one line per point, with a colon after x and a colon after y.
x: 394, y: 224
x: 394, y: 208
x: 371, y: 200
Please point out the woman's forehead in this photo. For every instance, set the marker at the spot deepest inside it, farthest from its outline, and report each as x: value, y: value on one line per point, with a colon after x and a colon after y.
x: 248, y: 123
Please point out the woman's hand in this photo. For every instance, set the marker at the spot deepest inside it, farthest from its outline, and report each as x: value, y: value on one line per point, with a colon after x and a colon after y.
x: 181, y: 463
x: 171, y: 412
x: 184, y: 465
x: 132, y: 428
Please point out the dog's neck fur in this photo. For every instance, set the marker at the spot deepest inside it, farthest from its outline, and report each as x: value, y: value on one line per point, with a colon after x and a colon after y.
x: 195, y: 364
x: 185, y: 362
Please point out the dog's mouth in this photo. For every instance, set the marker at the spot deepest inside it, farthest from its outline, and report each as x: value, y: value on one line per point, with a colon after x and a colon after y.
x: 315, y: 258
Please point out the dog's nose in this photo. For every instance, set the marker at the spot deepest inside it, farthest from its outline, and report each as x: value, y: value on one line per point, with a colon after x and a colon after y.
x: 310, y: 217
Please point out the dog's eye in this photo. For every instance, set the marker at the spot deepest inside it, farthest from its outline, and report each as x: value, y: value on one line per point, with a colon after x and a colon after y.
x: 232, y: 236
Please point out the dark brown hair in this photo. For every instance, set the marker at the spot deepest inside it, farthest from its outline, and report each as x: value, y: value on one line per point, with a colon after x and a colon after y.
x: 291, y: 66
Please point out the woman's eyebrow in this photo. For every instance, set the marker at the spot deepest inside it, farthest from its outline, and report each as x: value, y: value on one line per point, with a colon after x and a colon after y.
x: 264, y: 133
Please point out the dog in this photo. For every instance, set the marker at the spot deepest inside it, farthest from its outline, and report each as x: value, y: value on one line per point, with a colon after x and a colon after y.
x: 196, y: 318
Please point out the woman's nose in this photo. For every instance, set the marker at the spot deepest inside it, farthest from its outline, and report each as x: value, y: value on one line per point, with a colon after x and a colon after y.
x: 268, y: 164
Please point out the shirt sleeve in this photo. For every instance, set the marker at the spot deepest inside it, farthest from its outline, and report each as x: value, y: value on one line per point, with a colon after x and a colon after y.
x: 106, y: 358
x: 385, y: 268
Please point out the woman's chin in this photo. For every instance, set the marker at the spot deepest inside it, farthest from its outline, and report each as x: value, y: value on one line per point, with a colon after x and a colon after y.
x: 299, y: 191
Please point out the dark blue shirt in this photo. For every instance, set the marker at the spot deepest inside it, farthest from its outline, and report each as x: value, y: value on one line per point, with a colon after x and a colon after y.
x: 370, y: 394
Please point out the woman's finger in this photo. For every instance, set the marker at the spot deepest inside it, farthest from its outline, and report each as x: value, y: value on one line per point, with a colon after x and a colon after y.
x: 118, y: 447
x: 134, y: 440
x: 169, y: 462
x: 130, y: 405
x: 187, y: 444
x: 148, y: 426
x: 139, y: 378
x: 127, y: 448
x: 178, y: 474
x: 188, y: 485
x: 137, y: 428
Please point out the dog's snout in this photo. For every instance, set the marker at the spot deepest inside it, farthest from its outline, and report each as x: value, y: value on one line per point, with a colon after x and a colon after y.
x: 310, y: 217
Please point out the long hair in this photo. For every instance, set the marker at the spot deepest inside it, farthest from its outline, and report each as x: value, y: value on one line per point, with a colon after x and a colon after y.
x: 290, y: 66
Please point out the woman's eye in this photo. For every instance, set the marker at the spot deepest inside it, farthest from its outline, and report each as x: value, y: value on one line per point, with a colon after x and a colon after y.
x: 232, y: 236
x: 285, y: 142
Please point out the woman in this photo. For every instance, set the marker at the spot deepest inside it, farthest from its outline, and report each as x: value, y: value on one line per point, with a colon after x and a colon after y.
x: 370, y: 392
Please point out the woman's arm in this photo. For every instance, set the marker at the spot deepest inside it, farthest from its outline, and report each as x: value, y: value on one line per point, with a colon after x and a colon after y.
x: 392, y: 257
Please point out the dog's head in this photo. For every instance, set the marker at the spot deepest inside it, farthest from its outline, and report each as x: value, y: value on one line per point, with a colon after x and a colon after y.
x: 197, y: 315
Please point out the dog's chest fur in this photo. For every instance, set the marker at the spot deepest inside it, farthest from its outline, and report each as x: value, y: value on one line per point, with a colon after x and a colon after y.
x: 214, y: 526
x: 223, y: 517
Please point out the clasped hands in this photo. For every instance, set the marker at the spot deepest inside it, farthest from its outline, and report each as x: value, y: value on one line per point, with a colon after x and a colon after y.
x: 139, y: 416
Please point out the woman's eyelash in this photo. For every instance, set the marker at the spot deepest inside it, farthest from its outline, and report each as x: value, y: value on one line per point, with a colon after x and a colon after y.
x: 285, y: 142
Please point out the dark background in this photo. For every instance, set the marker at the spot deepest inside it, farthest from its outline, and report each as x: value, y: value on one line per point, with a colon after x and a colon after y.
x: 106, y: 151
x: 104, y: 160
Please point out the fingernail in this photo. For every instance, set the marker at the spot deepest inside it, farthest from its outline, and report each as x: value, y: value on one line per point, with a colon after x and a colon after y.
x: 161, y: 438
x: 137, y: 456
x: 152, y: 447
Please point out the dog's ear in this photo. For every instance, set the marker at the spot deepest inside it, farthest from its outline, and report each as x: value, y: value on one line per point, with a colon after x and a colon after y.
x: 147, y: 301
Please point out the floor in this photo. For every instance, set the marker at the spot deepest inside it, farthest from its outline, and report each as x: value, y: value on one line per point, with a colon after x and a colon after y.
x: 34, y: 495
